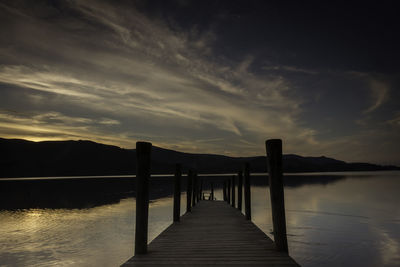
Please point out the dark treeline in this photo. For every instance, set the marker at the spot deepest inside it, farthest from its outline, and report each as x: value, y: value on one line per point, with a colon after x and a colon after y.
x: 21, y: 158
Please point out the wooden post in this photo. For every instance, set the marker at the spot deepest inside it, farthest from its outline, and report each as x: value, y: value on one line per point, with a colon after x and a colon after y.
x: 189, y: 191
x: 229, y: 191
x: 247, y: 196
x: 274, y: 159
x: 177, y: 193
x: 224, y: 190
x: 143, y: 155
x: 240, y: 186
x: 201, y: 188
x: 198, y: 190
x: 194, y: 189
x: 212, y: 191
x: 233, y: 191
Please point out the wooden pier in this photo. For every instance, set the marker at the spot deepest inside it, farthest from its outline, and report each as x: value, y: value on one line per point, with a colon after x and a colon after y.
x: 213, y: 233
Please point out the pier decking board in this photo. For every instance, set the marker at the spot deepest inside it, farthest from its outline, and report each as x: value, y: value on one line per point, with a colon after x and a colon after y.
x: 213, y: 234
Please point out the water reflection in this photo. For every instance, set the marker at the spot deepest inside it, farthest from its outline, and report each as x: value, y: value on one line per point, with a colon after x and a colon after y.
x: 352, y: 220
x: 49, y: 237
x: 99, y: 236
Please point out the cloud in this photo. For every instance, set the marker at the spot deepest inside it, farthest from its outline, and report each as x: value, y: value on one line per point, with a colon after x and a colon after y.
x: 95, y: 70
x: 378, y: 85
x: 57, y: 126
x: 379, y: 94
x: 107, y: 121
x: 133, y: 77
x: 395, y: 121
x: 291, y: 69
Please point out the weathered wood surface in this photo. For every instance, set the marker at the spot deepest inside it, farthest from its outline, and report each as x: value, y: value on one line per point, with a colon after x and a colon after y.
x: 213, y: 234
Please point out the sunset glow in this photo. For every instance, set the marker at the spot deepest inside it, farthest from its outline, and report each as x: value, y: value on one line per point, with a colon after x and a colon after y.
x: 147, y: 70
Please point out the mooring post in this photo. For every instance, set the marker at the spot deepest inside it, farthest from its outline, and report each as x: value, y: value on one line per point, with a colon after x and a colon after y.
x: 240, y: 185
x: 233, y: 191
x: 198, y: 189
x: 177, y: 192
x: 189, y: 191
x: 229, y: 191
x: 274, y: 162
x: 194, y: 189
x: 143, y: 157
x: 201, y: 189
x: 247, y: 196
x: 224, y: 190
x: 212, y: 191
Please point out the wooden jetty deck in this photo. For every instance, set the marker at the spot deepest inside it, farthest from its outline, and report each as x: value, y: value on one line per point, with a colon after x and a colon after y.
x: 212, y: 234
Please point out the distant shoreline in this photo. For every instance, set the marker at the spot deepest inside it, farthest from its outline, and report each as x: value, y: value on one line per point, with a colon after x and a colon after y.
x: 22, y: 158
x: 171, y: 175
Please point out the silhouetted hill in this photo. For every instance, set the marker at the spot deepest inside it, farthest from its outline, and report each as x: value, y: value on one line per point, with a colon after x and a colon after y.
x: 21, y: 158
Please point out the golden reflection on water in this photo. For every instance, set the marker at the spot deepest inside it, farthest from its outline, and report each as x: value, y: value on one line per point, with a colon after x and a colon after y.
x: 351, y: 222
x: 86, y: 237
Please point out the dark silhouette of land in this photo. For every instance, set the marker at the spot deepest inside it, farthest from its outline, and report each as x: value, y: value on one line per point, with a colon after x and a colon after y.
x: 21, y: 158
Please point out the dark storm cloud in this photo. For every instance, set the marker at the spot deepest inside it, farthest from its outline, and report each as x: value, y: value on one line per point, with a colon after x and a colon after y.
x: 206, y: 76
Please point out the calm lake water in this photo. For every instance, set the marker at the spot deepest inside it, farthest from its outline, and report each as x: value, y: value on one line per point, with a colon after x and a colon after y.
x: 352, y: 221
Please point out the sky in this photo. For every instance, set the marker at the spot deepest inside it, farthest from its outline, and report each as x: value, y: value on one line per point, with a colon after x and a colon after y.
x: 205, y: 76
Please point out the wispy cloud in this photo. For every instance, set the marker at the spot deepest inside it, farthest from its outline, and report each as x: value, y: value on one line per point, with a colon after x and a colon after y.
x: 92, y: 70
x: 378, y: 86
x: 56, y: 126
x: 395, y: 121
x: 379, y: 94
x: 290, y: 69
x: 127, y: 65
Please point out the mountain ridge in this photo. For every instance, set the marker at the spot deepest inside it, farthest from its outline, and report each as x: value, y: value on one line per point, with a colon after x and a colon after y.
x: 23, y: 158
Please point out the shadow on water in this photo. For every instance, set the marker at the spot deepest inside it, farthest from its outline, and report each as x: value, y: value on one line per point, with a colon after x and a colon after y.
x: 79, y: 193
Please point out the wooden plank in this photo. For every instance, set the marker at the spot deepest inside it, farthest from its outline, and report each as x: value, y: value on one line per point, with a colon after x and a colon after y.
x: 214, y: 233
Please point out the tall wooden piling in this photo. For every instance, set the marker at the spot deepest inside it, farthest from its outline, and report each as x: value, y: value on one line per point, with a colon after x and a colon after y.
x: 247, y: 197
x: 229, y: 191
x: 240, y: 186
x: 274, y: 162
x: 143, y: 155
x: 233, y: 191
x: 212, y: 191
x: 177, y: 192
x: 224, y: 190
x: 201, y: 189
x: 189, y: 191
x: 197, y: 189
x: 194, y: 193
